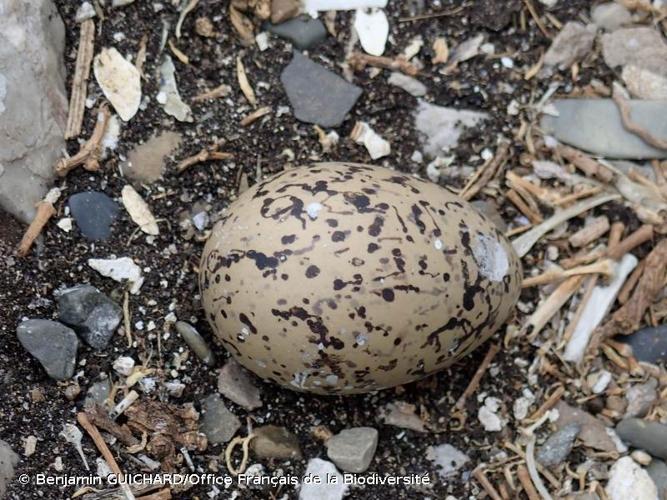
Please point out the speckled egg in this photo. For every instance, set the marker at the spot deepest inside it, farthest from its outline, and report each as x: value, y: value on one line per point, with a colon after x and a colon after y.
x: 343, y: 278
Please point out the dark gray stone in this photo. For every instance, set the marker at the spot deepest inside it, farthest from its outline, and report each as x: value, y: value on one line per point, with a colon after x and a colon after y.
x: 648, y: 344
x: 94, y: 213
x: 272, y: 441
x: 218, y: 423
x: 648, y: 436
x: 303, y: 32
x: 8, y: 460
x: 557, y: 447
x: 594, y: 125
x: 93, y: 315
x: 53, y: 344
x: 316, y: 94
x: 234, y: 383
x: 352, y: 450
x: 657, y: 469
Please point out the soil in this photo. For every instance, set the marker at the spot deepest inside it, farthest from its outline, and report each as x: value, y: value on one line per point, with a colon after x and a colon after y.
x: 170, y: 261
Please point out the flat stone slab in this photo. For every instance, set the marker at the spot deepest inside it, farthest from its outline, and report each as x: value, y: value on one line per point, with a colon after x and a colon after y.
x: 94, y: 213
x: 594, y: 125
x: 53, y: 344
x: 316, y: 94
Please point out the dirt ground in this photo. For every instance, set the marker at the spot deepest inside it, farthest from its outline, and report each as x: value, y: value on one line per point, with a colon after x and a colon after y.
x: 27, y: 285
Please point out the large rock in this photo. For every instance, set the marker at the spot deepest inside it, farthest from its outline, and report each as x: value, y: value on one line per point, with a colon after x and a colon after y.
x: 33, y: 102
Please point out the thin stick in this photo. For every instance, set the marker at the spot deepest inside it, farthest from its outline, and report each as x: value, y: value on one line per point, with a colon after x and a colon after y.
x: 536, y: 18
x: 126, y: 318
x: 524, y: 478
x: 585, y: 163
x: 89, y: 154
x: 220, y: 91
x: 532, y: 468
x: 478, y: 473
x: 358, y: 60
x: 629, y: 285
x: 588, y: 291
x: 552, y: 304
x: 584, y: 193
x: 604, y: 267
x: 476, y: 379
x: 244, y: 442
x: 208, y: 153
x: 488, y: 172
x: 640, y: 236
x: 255, y: 115
x: 533, y: 216
x: 615, y: 235
x: 92, y: 431
x: 77, y: 101
x: 433, y: 15
x: 631, y: 126
x: 45, y: 210
x: 548, y: 404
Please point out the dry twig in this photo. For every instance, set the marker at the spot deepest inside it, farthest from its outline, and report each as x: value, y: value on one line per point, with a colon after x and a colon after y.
x: 221, y: 90
x: 631, y: 126
x: 45, y: 210
x: 89, y: 154
x: 206, y: 154
x: 478, y: 473
x: 585, y: 163
x: 255, y: 115
x: 359, y: 60
x: 604, y: 267
x: 77, y: 101
x: 242, y: 77
x: 477, y: 378
x: 640, y: 236
x: 486, y: 173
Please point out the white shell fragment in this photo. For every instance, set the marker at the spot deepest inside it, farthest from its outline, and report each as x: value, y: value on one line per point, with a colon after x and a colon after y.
x: 119, y: 80
x: 119, y: 269
x: 373, y: 29
x: 139, y: 211
x: 168, y: 95
x: 124, y: 365
x: 363, y: 134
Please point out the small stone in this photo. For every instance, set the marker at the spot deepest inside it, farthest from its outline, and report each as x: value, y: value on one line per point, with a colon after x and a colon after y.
x: 557, y: 447
x: 120, y: 269
x: 372, y: 28
x: 648, y: 344
x: 572, y: 44
x: 8, y: 461
x: 352, y: 450
x: 610, y: 16
x: 94, y: 213
x: 85, y: 11
x: 53, y: 344
x: 92, y: 314
x: 645, y: 83
x: 282, y: 10
x: 466, y: 50
x: 617, y: 404
x: 139, y: 211
x: 217, y: 422
x: 147, y: 160
x: 316, y: 94
x: 377, y: 147
x: 29, y: 445
x: 447, y: 459
x: 326, y: 484
x: 599, y: 381
x: 648, y: 436
x: 401, y: 414
x: 271, y: 441
x: 594, y: 125
x: 657, y: 469
x: 124, y: 365
x: 303, y: 32
x: 629, y: 481
x: 234, y: 383
x: 641, y: 457
x: 640, y: 398
x: 593, y: 432
x: 410, y: 85
x: 522, y: 404
x: 196, y: 342
x: 488, y: 416
x: 120, y: 81
x: 169, y: 96
x: 98, y: 393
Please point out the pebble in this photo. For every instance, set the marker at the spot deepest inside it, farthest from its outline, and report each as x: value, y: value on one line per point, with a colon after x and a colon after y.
x: 400, y: 414
x: 372, y: 28
x: 648, y: 344
x: 316, y: 94
x: 610, y: 16
x: 119, y: 269
x: 146, y: 161
x: 217, y: 422
x: 93, y: 315
x: 641, y: 457
x: 119, y: 80
x: 235, y: 384
x: 640, y: 398
x: 85, y: 11
x: 593, y: 432
x: 8, y: 461
x: 282, y: 10
x: 447, y: 458
x: 441, y: 127
x: 168, y: 95
x: 522, y: 404
x: 599, y: 381
x: 466, y: 50
x: 196, y: 342
x: 272, y: 441
x: 328, y: 483
x: 53, y: 344
x: 629, y: 481
x: 657, y: 469
x: 411, y: 85
x: 352, y: 450
x: 572, y: 44
x: 594, y: 125
x: 303, y: 32
x: 558, y: 446
x: 98, y: 393
x: 377, y: 147
x: 643, y: 434
x: 488, y: 416
x: 94, y: 212
x: 33, y: 103
x: 124, y: 365
x: 139, y: 210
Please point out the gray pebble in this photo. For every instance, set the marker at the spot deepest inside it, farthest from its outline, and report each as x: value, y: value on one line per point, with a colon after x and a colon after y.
x: 93, y: 315
x: 303, y: 32
x: 94, y: 213
x: 657, y: 469
x: 98, y: 393
x: 195, y: 342
x: 234, y: 383
x: 316, y: 94
x: 8, y: 460
x: 557, y: 447
x: 648, y: 344
x: 640, y: 398
x: 218, y: 423
x: 52, y: 343
x: 271, y: 441
x: 648, y: 436
x: 352, y: 450
x: 610, y: 16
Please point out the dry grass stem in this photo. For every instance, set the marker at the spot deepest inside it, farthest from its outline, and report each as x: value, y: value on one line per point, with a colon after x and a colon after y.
x: 89, y: 154
x: 77, y: 100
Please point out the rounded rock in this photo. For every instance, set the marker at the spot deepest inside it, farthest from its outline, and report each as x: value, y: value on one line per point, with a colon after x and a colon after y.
x: 342, y: 278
